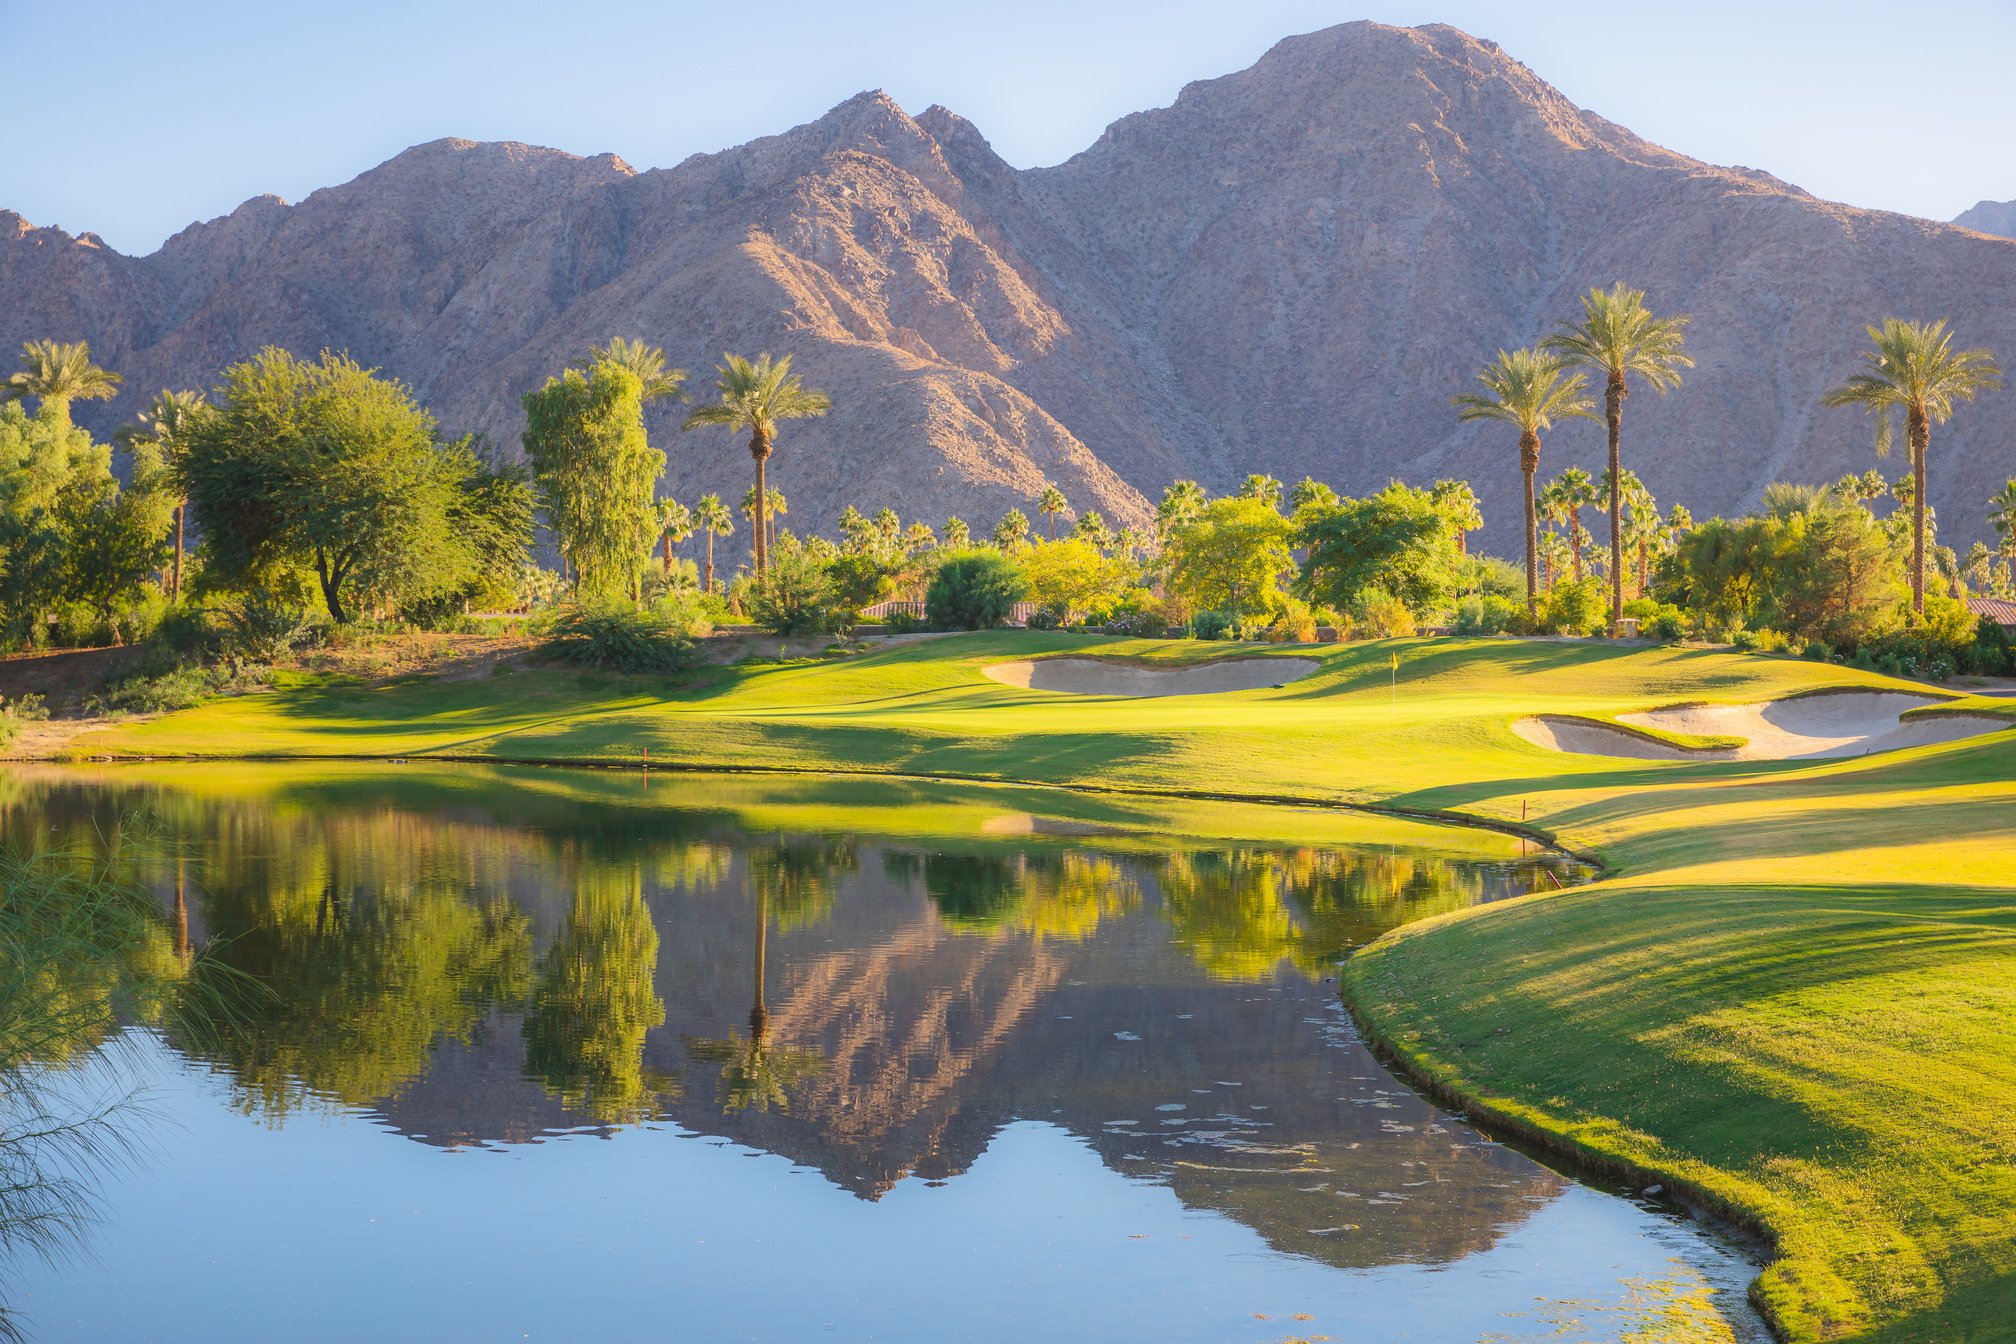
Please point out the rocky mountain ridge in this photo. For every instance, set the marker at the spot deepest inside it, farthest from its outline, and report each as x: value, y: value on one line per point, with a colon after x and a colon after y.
x: 1290, y: 269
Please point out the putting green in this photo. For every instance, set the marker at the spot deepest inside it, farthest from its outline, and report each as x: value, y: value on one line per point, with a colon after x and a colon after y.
x: 1793, y: 996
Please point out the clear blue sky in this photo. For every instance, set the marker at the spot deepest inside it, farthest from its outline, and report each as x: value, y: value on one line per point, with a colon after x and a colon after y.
x: 133, y: 118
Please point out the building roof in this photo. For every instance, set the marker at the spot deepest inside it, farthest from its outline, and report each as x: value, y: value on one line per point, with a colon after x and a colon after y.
x: 2000, y: 610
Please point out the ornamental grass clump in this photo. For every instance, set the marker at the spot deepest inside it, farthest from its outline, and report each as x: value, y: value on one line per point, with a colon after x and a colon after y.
x: 614, y: 636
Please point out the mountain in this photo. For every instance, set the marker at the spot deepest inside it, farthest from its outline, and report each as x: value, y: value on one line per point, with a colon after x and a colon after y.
x: 1290, y: 269
x: 1994, y: 217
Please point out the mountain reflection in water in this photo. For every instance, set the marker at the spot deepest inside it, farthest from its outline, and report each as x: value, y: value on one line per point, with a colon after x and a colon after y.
x: 872, y: 980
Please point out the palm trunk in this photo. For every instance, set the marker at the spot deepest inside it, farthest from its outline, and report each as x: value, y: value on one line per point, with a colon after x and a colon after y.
x: 709, y: 581
x: 1529, y: 465
x: 1575, y: 542
x: 1613, y: 412
x: 1053, y: 525
x: 665, y: 538
x: 181, y: 511
x: 759, y: 448
x: 1920, y: 429
x: 759, y: 1012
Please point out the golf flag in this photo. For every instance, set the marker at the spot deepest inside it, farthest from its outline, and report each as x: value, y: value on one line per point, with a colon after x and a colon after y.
x: 1396, y: 662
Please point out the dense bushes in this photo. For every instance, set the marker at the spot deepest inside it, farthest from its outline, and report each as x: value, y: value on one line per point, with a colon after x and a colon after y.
x: 798, y: 596
x: 973, y: 590
x: 618, y: 637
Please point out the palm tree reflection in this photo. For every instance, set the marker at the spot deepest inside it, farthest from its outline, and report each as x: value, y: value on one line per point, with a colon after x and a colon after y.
x: 756, y: 1075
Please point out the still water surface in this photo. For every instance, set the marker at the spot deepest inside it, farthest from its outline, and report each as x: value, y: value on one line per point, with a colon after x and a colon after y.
x: 565, y: 1056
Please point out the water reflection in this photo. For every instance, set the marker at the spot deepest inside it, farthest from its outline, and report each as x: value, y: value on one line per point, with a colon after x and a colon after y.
x: 873, y: 981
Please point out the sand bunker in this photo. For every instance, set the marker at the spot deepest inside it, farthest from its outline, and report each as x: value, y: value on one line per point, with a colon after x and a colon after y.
x: 1806, y: 727
x: 1102, y: 676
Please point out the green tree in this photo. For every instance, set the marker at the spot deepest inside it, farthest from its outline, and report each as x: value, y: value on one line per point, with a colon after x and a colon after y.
x: 974, y: 590
x: 115, y: 538
x: 1396, y: 545
x: 1458, y: 503
x: 654, y: 379
x: 1181, y: 502
x: 1051, y: 503
x: 675, y: 525
x: 328, y: 467
x: 1012, y: 531
x: 2002, y: 515
x: 1529, y: 390
x: 1566, y: 496
x: 163, y: 424
x: 597, y: 474
x: 758, y: 397
x: 1071, y: 580
x: 1618, y: 338
x: 1230, y: 558
x: 1913, y: 368
x: 1310, y: 494
x: 714, y: 520
x: 57, y: 373
x: 1263, y: 488
x: 54, y: 478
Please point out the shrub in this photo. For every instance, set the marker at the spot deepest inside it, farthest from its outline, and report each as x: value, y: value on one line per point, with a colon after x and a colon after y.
x: 797, y: 597
x: 22, y: 709
x: 1212, y: 625
x: 1487, y: 615
x: 1575, y: 607
x: 1746, y: 641
x: 1385, y: 618
x: 620, y: 638
x: 1817, y: 651
x: 1295, y: 623
x: 974, y: 590
x: 261, y: 628
x: 176, y: 688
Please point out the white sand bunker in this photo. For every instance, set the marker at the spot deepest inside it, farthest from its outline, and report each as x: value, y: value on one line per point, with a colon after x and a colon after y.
x: 1104, y: 676
x: 1805, y: 727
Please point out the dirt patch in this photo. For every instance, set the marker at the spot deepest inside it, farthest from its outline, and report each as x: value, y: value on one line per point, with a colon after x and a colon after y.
x: 65, y: 678
x: 1105, y: 676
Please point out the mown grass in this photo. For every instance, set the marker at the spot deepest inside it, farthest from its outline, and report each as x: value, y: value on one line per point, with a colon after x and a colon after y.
x: 1794, y: 995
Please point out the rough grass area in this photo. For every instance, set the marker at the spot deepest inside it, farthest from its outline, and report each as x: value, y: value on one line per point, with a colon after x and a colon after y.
x: 1795, y: 994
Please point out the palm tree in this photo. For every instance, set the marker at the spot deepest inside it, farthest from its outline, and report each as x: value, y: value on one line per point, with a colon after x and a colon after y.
x: 1310, y: 493
x: 1530, y: 390
x: 1458, y: 503
x: 757, y: 397
x: 675, y: 524
x: 919, y: 538
x: 1126, y: 542
x: 1051, y: 503
x: 957, y: 534
x: 1643, y: 527
x: 1261, y: 487
x: 1915, y: 369
x: 715, y: 520
x: 646, y: 361
x: 2002, y: 514
x: 1618, y: 337
x: 1091, y: 527
x: 1567, y: 495
x: 775, y: 506
x: 57, y: 373
x: 1012, y: 530
x: 165, y: 424
x: 1181, y: 502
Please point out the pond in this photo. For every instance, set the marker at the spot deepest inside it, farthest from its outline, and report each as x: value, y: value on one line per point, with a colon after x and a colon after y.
x: 463, y: 1053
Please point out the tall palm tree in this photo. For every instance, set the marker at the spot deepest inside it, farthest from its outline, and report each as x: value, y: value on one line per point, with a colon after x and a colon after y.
x: 675, y: 524
x: 758, y: 397
x: 715, y: 520
x: 1310, y: 493
x: 1091, y: 527
x: 1262, y: 487
x: 1181, y: 502
x: 57, y: 373
x: 1618, y: 337
x: 165, y: 424
x: 1529, y: 390
x: 1012, y: 530
x: 646, y: 361
x: 1567, y: 495
x: 775, y: 506
x: 1458, y: 503
x: 1051, y: 503
x: 1915, y: 369
x: 2002, y: 514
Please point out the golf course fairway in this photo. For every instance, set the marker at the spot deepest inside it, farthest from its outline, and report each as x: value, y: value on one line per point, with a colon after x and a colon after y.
x: 1792, y: 997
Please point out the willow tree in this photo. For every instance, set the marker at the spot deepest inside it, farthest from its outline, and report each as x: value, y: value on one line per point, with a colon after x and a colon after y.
x: 1530, y: 390
x: 57, y: 373
x: 596, y: 473
x: 1619, y: 338
x: 1914, y: 368
x: 758, y: 396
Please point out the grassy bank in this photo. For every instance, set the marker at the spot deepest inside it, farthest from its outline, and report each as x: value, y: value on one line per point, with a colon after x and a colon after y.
x: 1793, y: 994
